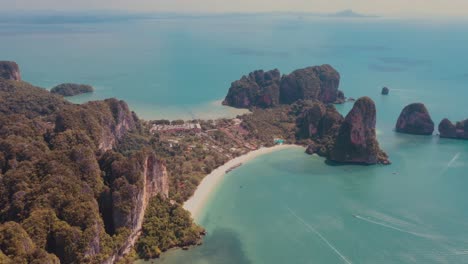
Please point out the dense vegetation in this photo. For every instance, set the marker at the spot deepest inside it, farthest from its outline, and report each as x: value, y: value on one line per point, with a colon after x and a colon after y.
x: 71, y: 89
x: 266, y: 124
x: 187, y: 163
x: 69, y: 178
x: 166, y: 226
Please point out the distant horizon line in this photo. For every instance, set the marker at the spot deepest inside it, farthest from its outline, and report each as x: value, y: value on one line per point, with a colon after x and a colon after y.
x: 343, y: 13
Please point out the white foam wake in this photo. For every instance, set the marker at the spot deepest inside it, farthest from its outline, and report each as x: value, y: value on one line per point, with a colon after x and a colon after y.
x: 453, y: 160
x: 450, y: 163
x: 392, y: 227
x: 320, y: 236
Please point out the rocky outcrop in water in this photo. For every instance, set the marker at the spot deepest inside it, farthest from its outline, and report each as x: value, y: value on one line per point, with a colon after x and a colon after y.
x: 449, y: 130
x: 342, y: 140
x: 311, y: 149
x: 268, y: 89
x: 9, y: 70
x: 259, y: 89
x: 356, y: 140
x: 415, y: 119
x: 385, y: 91
x: 72, y: 89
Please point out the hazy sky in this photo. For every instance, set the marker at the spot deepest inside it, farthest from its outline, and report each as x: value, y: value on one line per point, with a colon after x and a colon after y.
x: 382, y: 7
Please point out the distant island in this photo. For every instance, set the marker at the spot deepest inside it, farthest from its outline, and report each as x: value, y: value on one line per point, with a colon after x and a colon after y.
x: 71, y: 89
x: 350, y: 13
x: 270, y: 89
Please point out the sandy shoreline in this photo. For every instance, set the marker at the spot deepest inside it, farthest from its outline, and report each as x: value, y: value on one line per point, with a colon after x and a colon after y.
x: 212, y: 180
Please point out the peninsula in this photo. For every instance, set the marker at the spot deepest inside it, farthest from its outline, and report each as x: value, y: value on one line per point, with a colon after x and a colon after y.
x: 93, y: 183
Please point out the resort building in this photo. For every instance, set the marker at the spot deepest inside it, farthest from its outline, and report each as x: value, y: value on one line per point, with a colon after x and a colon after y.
x: 175, y: 128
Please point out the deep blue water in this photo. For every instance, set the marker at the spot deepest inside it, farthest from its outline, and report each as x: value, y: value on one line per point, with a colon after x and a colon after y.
x: 292, y: 208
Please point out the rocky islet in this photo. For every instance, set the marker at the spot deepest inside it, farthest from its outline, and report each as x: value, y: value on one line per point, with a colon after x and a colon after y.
x: 415, y: 119
x: 269, y: 89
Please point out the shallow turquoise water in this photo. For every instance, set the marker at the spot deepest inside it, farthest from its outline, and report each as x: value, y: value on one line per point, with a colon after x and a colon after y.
x: 179, y: 67
x: 287, y: 207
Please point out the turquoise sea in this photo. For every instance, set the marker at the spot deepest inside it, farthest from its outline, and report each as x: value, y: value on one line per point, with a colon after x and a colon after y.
x: 287, y: 207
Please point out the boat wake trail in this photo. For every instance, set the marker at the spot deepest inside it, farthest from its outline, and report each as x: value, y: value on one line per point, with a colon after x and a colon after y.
x: 392, y: 227
x: 319, y: 235
x: 453, y: 160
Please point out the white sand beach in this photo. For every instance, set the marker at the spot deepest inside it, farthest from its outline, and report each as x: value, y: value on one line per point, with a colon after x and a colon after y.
x: 212, y: 180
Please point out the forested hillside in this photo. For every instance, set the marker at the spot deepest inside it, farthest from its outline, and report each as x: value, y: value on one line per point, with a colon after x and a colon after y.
x: 66, y: 194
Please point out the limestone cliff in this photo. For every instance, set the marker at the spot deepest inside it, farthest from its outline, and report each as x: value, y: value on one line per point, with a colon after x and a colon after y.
x: 268, y: 89
x: 318, y: 121
x: 10, y: 70
x: 151, y: 177
x: 356, y: 141
x: 449, y: 130
x: 415, y: 119
x: 259, y: 89
x: 136, y: 181
x: 319, y: 82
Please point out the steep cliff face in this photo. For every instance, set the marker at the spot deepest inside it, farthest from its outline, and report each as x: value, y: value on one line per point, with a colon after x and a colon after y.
x: 356, y: 141
x: 259, y: 89
x: 415, y: 119
x: 123, y: 121
x: 10, y: 70
x: 318, y: 121
x: 268, y: 89
x: 157, y: 181
x: 310, y: 119
x: 135, y: 182
x: 319, y: 82
x: 449, y: 130
x: 330, y: 123
x: 106, y: 121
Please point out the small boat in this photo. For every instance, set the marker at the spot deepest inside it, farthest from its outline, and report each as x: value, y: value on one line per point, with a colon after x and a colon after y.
x: 233, y: 167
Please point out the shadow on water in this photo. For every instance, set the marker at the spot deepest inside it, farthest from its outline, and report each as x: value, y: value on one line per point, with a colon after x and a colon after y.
x: 342, y: 164
x: 221, y: 246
